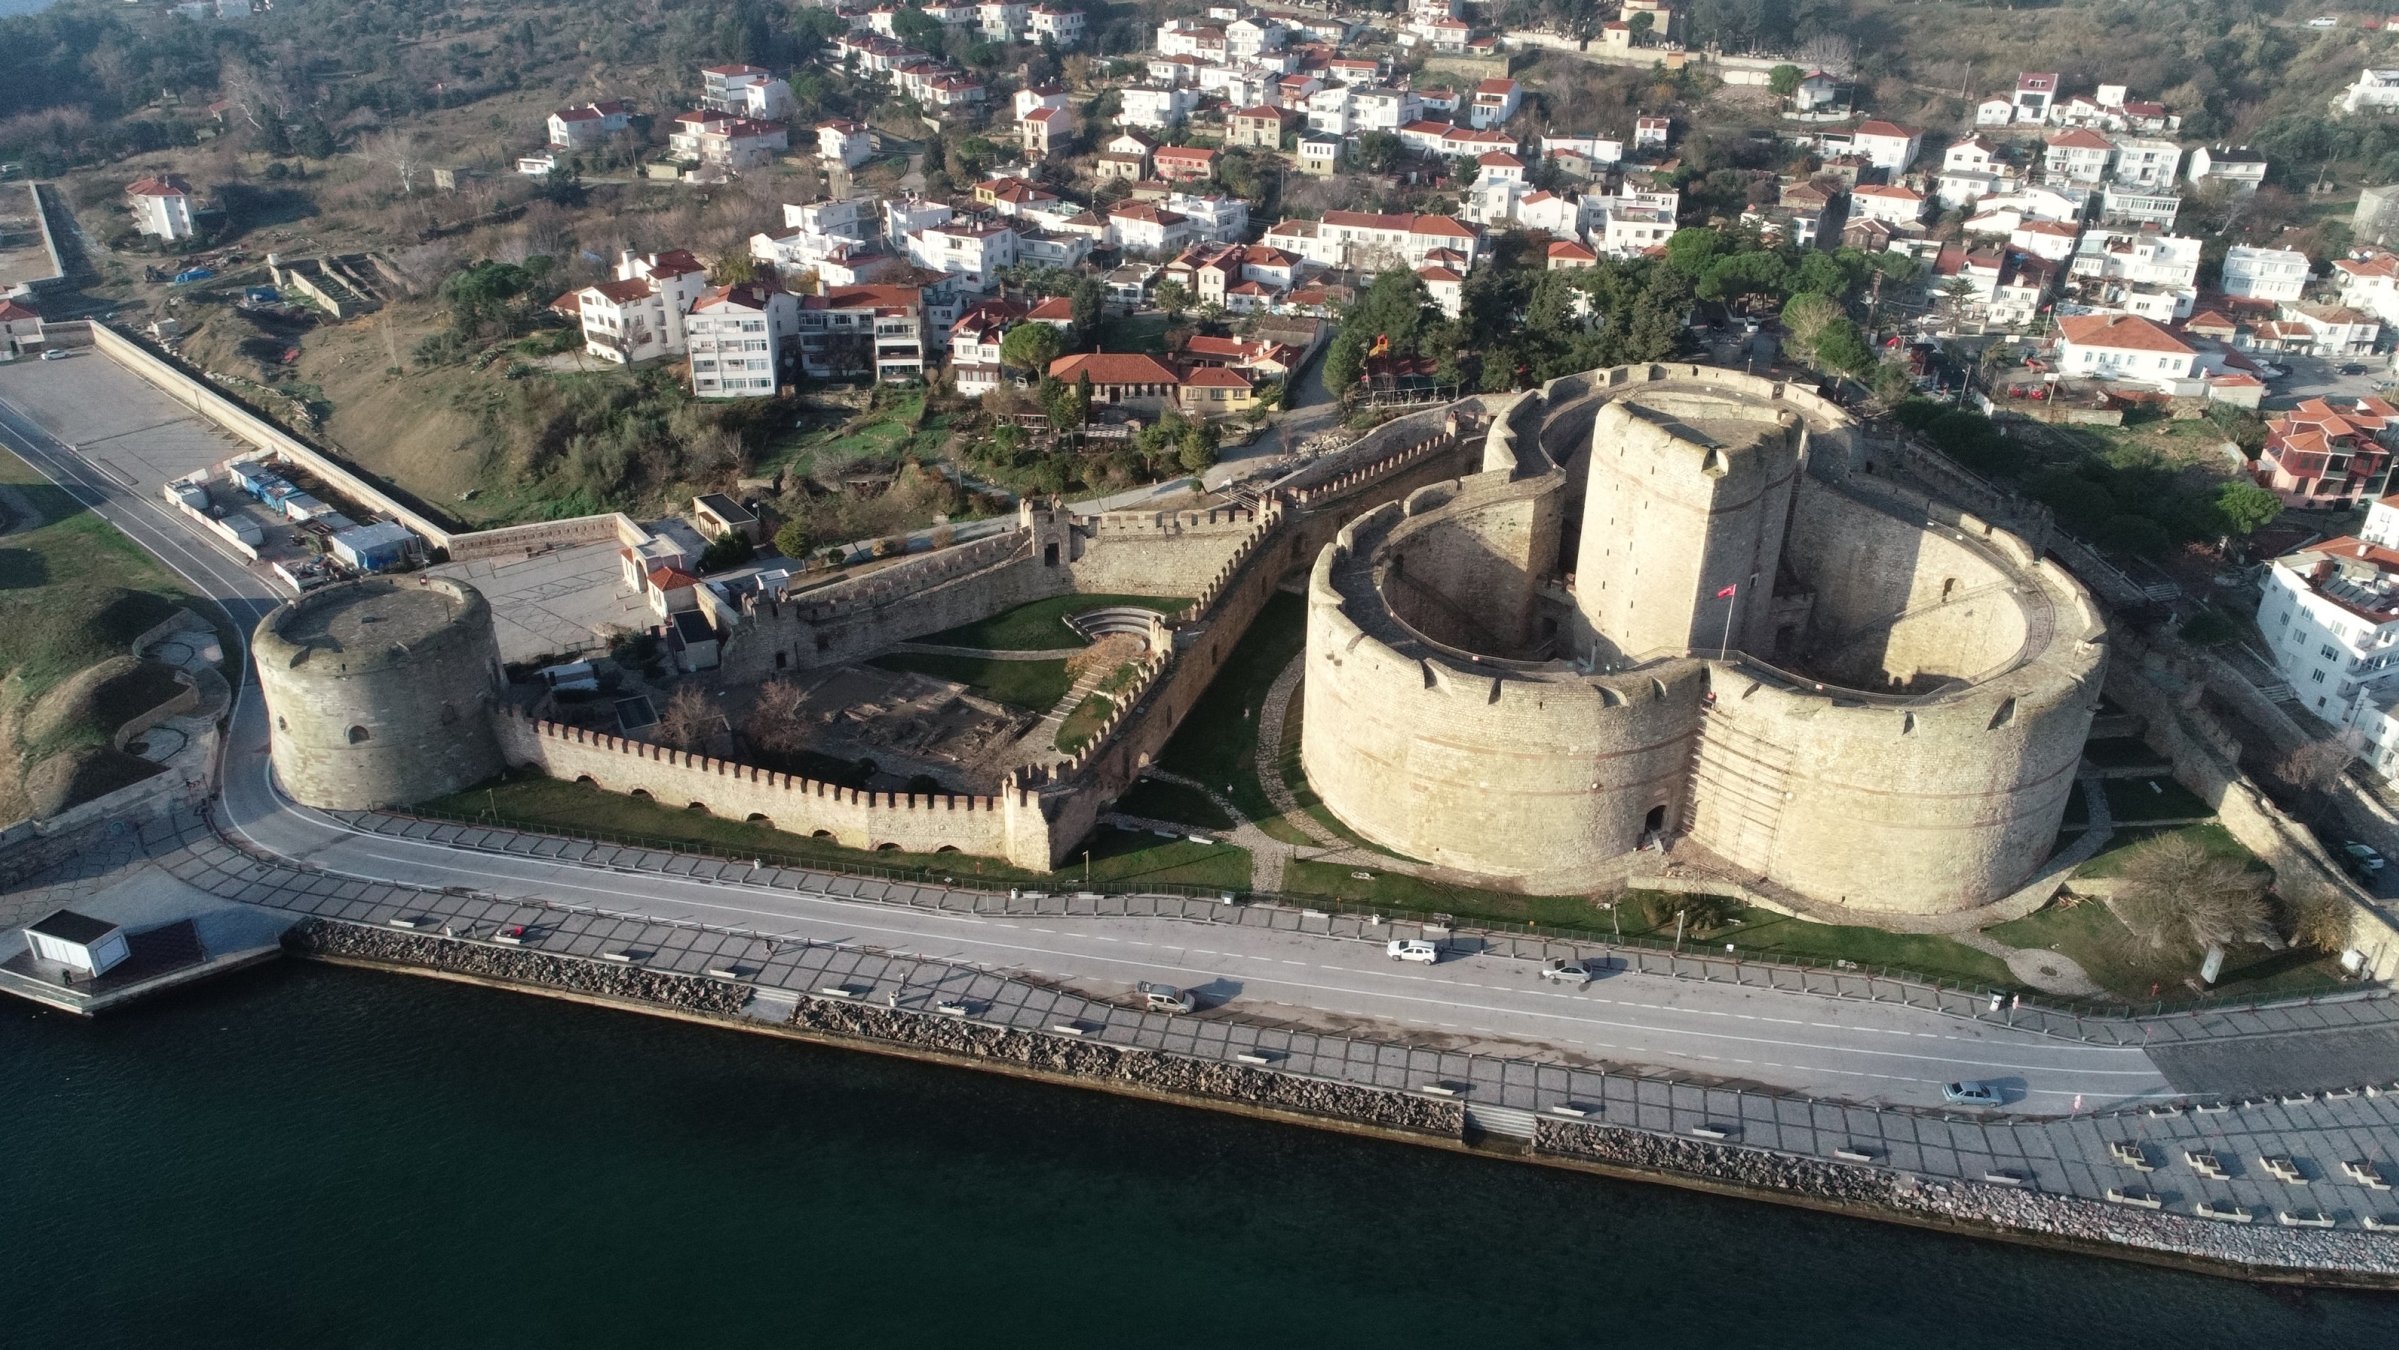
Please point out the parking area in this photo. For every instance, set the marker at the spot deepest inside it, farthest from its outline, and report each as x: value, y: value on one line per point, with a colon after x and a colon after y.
x: 2321, y: 377
x: 120, y: 422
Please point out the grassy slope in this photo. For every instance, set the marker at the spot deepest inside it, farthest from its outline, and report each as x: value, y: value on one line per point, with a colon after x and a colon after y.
x: 1033, y: 685
x: 73, y: 592
x: 2130, y: 969
x: 1041, y: 625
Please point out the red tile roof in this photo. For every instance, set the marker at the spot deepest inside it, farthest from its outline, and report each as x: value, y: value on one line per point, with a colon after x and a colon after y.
x: 2124, y: 332
x: 1890, y: 129
x: 164, y: 185
x: 1113, y: 368
x: 2079, y: 139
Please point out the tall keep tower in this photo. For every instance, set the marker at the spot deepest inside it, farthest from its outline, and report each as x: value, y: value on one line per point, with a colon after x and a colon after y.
x: 1688, y: 496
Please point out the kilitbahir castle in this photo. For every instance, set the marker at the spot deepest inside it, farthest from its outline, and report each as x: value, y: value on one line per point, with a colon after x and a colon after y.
x: 1659, y: 605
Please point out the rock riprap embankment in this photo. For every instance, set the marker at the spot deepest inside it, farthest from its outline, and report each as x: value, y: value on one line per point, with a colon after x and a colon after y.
x: 684, y: 993
x: 2036, y: 1213
x: 1147, y: 1069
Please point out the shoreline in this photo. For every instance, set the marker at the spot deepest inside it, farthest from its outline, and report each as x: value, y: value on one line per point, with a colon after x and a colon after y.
x: 1100, y: 1059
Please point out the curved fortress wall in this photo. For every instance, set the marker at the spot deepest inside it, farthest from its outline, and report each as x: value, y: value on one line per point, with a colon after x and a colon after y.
x: 1936, y: 784
x: 381, y: 692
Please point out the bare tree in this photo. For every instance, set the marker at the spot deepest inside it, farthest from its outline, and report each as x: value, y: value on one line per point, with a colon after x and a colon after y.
x: 2316, y: 766
x: 2177, y: 894
x: 688, y: 720
x: 396, y: 150
x: 775, y: 720
x: 2321, y: 919
x: 1831, y: 53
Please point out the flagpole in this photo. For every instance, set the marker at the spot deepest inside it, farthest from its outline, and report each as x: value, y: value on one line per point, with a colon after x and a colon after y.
x: 1724, y: 652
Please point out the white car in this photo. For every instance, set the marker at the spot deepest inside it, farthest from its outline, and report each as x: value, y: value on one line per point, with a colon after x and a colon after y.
x: 2364, y: 857
x: 2321, y: 21
x: 1413, y: 949
x: 1559, y: 970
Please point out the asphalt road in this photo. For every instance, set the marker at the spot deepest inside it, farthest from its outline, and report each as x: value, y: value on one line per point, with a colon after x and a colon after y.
x: 1859, y: 1051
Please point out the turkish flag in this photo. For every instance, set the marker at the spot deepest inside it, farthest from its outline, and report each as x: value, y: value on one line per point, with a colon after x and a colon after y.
x: 1727, y: 592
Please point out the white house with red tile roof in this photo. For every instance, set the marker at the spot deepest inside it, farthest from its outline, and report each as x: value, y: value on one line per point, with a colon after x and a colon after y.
x: 161, y: 205
x: 2330, y: 618
x: 2077, y: 156
x: 1564, y: 255
x: 2370, y: 283
x: 580, y: 128
x: 1368, y: 239
x: 1887, y: 145
x: 1652, y: 132
x: 1447, y: 289
x: 1494, y: 101
x: 848, y: 144
x: 1891, y: 202
x: 639, y: 316
x: 2053, y: 240
x: 2036, y: 93
x: 2123, y: 347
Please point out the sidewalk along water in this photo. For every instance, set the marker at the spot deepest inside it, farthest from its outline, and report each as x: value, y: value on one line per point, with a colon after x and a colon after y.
x: 311, y: 1156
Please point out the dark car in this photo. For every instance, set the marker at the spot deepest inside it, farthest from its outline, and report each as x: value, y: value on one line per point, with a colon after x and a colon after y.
x: 2353, y: 369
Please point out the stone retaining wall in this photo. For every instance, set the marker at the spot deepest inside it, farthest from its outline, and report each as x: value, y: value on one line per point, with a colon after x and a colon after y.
x: 683, y: 993
x: 2028, y: 1213
x: 1149, y: 1070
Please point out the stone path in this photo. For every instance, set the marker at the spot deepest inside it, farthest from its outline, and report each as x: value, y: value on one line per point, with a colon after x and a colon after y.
x: 1040, y: 745
x: 2037, y: 967
x: 1271, y: 715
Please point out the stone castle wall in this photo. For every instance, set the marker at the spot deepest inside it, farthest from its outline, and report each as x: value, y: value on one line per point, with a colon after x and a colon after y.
x: 1007, y: 825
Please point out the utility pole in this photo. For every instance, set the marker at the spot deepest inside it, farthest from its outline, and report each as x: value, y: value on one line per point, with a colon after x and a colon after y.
x: 1678, y: 932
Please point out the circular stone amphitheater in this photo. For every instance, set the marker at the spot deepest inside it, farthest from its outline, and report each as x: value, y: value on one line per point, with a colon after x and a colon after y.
x: 381, y: 691
x: 1678, y: 608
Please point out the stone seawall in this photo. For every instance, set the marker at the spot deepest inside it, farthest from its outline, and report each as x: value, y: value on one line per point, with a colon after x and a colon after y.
x: 2268, y: 1251
x: 451, y: 956
x: 1148, y: 1070
x: 1087, y: 1063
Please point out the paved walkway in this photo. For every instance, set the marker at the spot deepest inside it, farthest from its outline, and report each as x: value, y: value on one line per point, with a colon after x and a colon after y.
x: 2073, y: 1155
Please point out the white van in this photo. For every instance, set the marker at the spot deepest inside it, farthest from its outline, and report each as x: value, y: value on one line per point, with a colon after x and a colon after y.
x: 1165, y: 998
x: 1413, y: 949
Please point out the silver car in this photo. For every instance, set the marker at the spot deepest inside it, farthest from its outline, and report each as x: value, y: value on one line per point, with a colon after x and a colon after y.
x: 1970, y: 1094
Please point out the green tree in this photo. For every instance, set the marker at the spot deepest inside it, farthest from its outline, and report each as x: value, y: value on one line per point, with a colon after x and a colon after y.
x: 793, y: 539
x: 2247, y: 508
x: 1031, y: 347
x: 1783, y: 80
x: 1173, y: 297
x: 1196, y: 446
x: 1091, y: 308
x: 1842, y: 347
x: 1690, y: 251
x: 916, y: 28
x: 733, y: 269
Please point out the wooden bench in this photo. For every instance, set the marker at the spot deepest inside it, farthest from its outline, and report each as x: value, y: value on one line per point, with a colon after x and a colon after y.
x: 2135, y: 1197
x: 2304, y: 1218
x: 2209, y: 1209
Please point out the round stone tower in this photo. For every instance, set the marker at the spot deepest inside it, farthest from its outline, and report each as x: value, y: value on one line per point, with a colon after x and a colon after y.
x: 381, y: 692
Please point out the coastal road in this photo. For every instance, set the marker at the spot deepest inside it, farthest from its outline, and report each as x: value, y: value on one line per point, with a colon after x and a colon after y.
x: 1869, y: 1052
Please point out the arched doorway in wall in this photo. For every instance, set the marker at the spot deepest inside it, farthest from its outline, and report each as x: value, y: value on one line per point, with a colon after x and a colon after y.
x: 1653, y: 825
